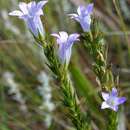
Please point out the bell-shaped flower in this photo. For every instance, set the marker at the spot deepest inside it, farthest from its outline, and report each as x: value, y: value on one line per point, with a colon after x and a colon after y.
x: 30, y: 13
x: 112, y: 100
x: 65, y: 43
x: 83, y: 16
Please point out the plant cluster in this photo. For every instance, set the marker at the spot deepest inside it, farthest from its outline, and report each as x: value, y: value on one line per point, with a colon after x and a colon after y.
x: 58, y: 57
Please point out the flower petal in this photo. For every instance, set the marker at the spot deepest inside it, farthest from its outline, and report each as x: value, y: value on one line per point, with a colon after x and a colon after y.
x: 62, y: 52
x: 63, y: 37
x: 89, y: 8
x: 55, y: 35
x: 85, y: 23
x: 104, y: 105
x: 63, y: 34
x: 23, y: 7
x: 81, y: 10
x: 68, y: 54
x: 39, y: 7
x: 16, y: 13
x: 41, y: 4
x: 38, y: 24
x: 39, y: 12
x: 114, y: 92
x: 105, y: 96
x: 115, y: 108
x: 121, y: 100
x: 31, y: 6
x: 31, y: 25
x: 71, y: 39
x: 74, y: 16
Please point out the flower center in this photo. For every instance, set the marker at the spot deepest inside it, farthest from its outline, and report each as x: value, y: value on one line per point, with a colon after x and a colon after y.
x: 111, y: 101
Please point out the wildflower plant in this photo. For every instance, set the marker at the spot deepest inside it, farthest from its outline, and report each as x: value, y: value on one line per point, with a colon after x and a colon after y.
x: 94, y: 43
x: 58, y: 61
x: 60, y: 70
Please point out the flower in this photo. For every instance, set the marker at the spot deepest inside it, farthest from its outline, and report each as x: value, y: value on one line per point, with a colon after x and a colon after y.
x: 31, y: 13
x: 65, y: 43
x: 112, y: 100
x: 83, y: 16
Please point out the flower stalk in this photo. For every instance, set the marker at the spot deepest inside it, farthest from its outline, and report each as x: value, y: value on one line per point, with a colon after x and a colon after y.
x: 70, y: 100
x: 94, y: 42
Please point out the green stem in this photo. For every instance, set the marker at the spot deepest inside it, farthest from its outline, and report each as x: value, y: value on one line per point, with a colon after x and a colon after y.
x: 94, y: 43
x: 112, y: 121
x: 70, y: 100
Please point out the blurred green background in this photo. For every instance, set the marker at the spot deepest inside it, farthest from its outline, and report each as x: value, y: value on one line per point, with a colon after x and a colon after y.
x: 29, y: 96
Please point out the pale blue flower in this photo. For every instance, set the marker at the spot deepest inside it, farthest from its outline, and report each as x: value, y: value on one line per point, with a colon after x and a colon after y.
x: 83, y: 16
x: 112, y: 100
x: 30, y: 13
x: 65, y: 43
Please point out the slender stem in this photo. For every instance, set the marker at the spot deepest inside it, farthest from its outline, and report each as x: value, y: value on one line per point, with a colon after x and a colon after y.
x: 112, y: 121
x: 70, y: 100
x: 94, y: 43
